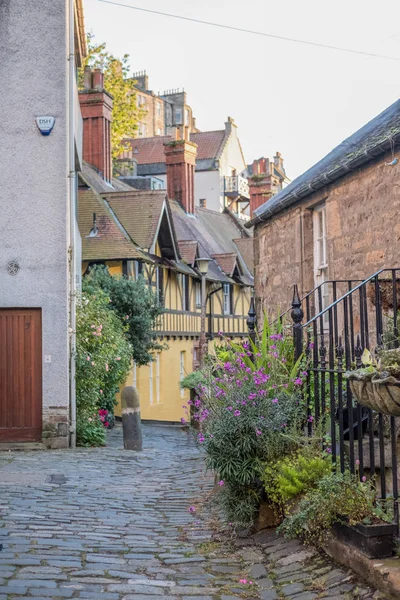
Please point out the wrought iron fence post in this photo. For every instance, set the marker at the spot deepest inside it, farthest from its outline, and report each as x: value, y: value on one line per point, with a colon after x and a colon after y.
x: 252, y: 321
x: 297, y: 315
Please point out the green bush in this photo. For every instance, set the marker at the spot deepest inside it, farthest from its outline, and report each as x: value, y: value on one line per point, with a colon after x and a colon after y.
x: 290, y: 477
x: 338, y: 498
x: 103, y: 357
x: 193, y: 380
x: 137, y: 307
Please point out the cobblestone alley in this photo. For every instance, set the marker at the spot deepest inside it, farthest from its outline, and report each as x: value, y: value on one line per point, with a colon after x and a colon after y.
x: 109, y: 524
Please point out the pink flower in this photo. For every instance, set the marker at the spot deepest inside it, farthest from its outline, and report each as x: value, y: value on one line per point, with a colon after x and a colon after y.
x: 88, y: 358
x: 364, y: 479
x: 220, y: 333
x: 275, y: 401
x: 310, y: 419
x: 90, y: 419
x: 221, y: 483
x: 118, y: 358
x: 101, y: 391
x: 92, y: 363
x: 230, y: 408
x: 93, y: 326
x: 192, y: 509
x: 127, y: 317
x: 183, y: 421
x: 106, y: 424
x: 244, y: 581
x: 237, y: 413
x: 258, y: 432
x: 357, y: 462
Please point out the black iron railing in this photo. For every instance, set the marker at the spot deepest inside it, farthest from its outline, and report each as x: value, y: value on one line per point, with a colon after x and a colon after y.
x: 362, y: 314
x: 366, y: 316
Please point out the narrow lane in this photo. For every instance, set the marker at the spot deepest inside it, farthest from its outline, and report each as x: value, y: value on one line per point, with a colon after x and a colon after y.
x: 109, y: 524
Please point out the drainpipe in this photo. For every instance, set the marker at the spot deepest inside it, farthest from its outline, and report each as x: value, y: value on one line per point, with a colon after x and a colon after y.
x: 72, y: 210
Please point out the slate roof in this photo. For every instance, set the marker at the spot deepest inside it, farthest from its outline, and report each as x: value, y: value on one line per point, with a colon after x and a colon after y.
x: 245, y: 247
x: 139, y: 213
x: 214, y: 233
x: 371, y: 141
x: 151, y: 150
x: 95, y: 180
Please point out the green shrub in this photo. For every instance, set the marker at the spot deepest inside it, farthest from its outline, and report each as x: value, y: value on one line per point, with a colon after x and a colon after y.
x: 103, y: 357
x: 338, y: 497
x: 137, y: 307
x: 290, y: 477
x: 193, y: 380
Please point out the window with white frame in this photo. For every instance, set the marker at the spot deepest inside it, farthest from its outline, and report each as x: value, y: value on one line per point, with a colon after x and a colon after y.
x: 198, y: 294
x: 151, y: 383
x: 321, y: 259
x: 159, y: 106
x: 228, y: 299
x: 182, y: 370
x: 158, y: 397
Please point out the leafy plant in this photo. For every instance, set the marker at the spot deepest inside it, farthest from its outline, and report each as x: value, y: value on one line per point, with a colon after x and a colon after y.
x: 103, y: 356
x: 121, y: 86
x: 193, y: 380
x: 338, y: 498
x: 249, y: 412
x: 290, y: 477
x: 136, y: 306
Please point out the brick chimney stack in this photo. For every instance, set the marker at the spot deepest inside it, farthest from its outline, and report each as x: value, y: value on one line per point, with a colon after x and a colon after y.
x: 96, y: 108
x: 180, y: 158
x: 259, y: 184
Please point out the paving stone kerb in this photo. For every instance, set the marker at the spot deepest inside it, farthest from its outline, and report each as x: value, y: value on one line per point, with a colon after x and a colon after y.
x: 116, y: 526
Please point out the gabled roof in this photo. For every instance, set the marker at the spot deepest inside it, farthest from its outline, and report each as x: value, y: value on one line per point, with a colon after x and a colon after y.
x: 146, y: 151
x: 111, y: 241
x: 245, y: 247
x: 226, y: 262
x: 139, y: 212
x: 371, y: 141
x: 188, y: 251
x: 214, y: 233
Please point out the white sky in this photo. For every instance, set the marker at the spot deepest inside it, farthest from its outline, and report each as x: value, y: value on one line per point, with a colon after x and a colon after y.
x: 297, y: 99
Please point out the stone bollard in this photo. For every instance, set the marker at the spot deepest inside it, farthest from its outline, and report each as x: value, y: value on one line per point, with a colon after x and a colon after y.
x: 131, y: 423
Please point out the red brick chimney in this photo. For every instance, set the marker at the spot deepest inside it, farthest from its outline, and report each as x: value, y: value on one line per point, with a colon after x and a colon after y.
x: 96, y: 108
x: 180, y: 158
x: 260, y: 187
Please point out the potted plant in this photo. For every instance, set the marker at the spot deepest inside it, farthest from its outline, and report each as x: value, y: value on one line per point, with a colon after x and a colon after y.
x: 346, y: 507
x: 377, y: 384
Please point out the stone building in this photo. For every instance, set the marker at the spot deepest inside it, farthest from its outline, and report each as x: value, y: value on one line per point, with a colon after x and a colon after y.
x: 337, y: 221
x: 162, y: 113
x: 40, y: 152
x: 266, y: 178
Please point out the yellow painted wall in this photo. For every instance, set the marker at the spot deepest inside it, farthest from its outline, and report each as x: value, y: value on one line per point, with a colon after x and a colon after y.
x: 162, y: 400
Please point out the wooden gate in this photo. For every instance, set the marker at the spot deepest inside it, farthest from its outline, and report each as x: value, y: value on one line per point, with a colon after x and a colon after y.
x: 20, y: 375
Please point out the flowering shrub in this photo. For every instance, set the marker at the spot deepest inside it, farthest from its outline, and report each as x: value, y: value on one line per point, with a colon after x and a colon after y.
x: 103, y: 356
x: 249, y: 412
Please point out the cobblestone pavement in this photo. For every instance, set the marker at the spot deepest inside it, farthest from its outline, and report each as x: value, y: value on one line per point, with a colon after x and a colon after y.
x: 109, y: 524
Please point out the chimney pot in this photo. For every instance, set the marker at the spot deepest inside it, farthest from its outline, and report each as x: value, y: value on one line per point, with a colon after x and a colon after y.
x: 98, y: 80
x: 87, y: 78
x: 180, y: 160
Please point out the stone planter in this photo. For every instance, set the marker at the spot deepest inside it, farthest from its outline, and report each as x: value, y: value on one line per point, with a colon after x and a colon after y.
x: 375, y: 541
x: 380, y: 394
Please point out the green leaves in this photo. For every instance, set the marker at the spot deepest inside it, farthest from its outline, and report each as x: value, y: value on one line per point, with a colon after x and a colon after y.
x: 136, y: 306
x: 120, y: 85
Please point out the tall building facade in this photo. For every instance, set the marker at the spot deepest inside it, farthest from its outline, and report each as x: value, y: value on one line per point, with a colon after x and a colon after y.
x: 40, y: 152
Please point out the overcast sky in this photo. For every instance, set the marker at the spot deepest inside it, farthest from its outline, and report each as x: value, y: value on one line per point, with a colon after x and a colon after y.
x: 297, y: 99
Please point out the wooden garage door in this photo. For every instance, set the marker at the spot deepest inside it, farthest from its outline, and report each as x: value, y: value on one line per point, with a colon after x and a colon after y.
x: 20, y: 375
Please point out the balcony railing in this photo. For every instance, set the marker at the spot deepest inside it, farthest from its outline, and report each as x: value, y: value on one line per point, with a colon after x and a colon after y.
x: 236, y: 186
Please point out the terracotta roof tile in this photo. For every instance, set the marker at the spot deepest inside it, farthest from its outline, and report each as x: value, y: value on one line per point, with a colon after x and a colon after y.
x: 111, y: 242
x: 139, y: 213
x: 227, y: 262
x: 188, y: 251
x: 151, y: 150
